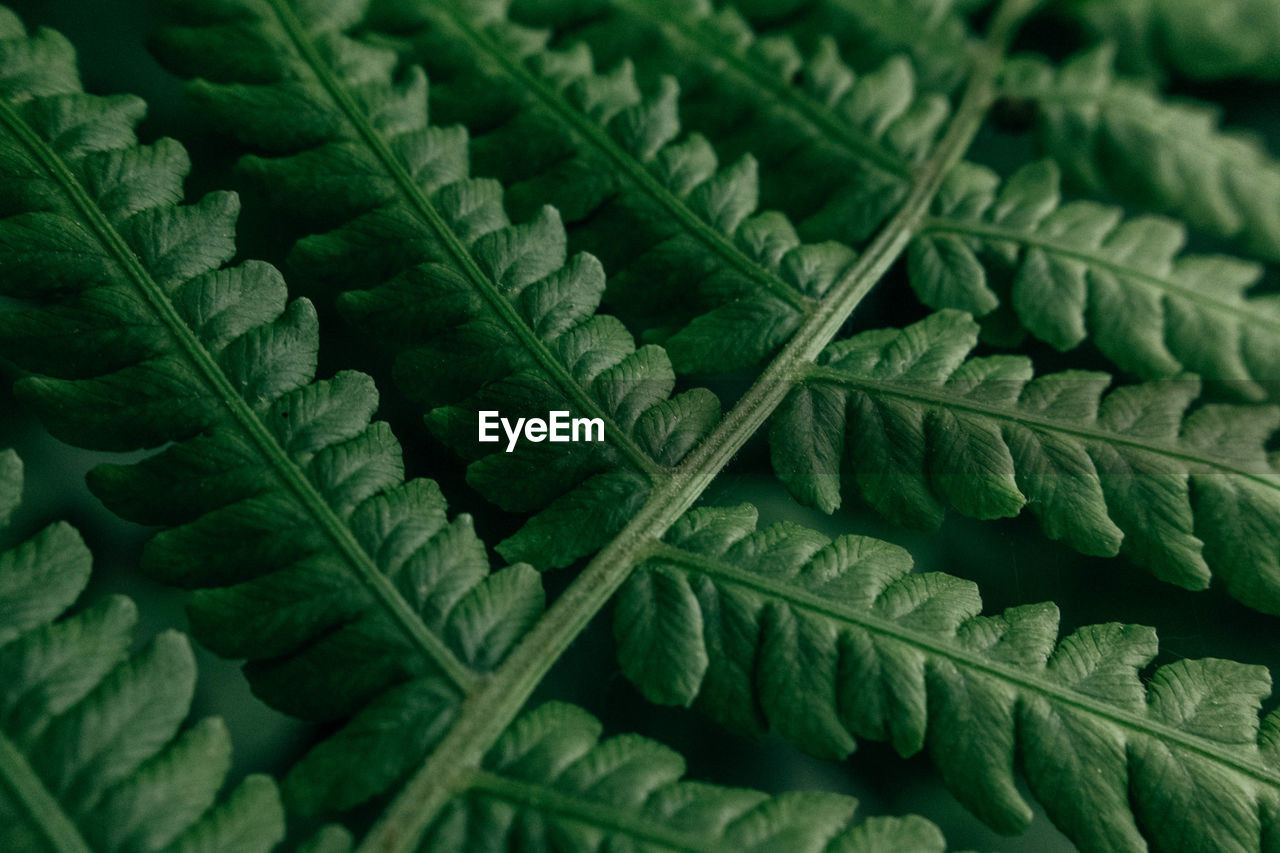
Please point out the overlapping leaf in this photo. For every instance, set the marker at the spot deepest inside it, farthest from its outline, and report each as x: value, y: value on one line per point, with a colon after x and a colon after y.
x: 918, y: 427
x: 1079, y: 270
x: 826, y: 641
x: 345, y: 586
x: 93, y: 751
x: 550, y: 783
x: 798, y: 113
x: 488, y: 316
x: 1113, y: 134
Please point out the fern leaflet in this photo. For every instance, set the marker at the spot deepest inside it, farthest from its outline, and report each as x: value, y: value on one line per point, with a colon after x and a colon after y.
x: 798, y: 114
x: 1131, y: 473
x: 345, y: 586
x: 721, y: 614
x: 1237, y: 40
x: 1115, y: 134
x: 91, y: 757
x: 549, y: 783
x: 932, y: 32
x: 1079, y: 271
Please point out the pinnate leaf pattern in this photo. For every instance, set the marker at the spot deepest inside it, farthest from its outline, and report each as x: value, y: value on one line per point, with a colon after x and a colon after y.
x: 827, y: 641
x: 93, y: 753
x: 1155, y: 37
x: 1078, y: 271
x: 551, y: 783
x: 356, y: 600
x: 918, y: 426
x: 346, y: 587
x: 1113, y: 134
x: 485, y: 315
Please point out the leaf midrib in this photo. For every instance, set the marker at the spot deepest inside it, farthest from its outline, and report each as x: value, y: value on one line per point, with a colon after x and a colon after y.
x: 818, y: 116
x: 631, y: 168
x: 461, y: 255
x: 486, y: 713
x: 929, y: 644
x: 206, y: 366
x: 44, y: 810
x: 1241, y: 313
x: 834, y: 376
x: 544, y: 798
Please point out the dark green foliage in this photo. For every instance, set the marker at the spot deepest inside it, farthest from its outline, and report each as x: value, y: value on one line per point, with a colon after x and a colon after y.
x: 824, y: 640
x: 1155, y: 36
x: 1116, y: 134
x: 346, y: 587
x: 731, y: 180
x: 797, y: 113
x: 93, y: 754
x: 1080, y: 271
x: 488, y: 316
x: 919, y: 427
x: 550, y: 783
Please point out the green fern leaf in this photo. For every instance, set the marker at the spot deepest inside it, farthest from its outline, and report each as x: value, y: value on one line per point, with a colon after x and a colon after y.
x: 826, y: 641
x: 1237, y: 40
x: 490, y: 316
x: 1078, y: 271
x: 550, y: 783
x: 798, y: 114
x: 91, y: 756
x: 592, y: 142
x: 932, y: 32
x: 346, y: 588
x: 921, y: 427
x: 1116, y: 135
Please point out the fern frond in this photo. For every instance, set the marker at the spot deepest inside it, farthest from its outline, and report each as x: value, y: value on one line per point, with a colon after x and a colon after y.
x: 495, y: 701
x: 1078, y: 270
x: 1113, y: 134
x: 91, y: 753
x: 724, y: 284
x: 550, y: 783
x: 1186, y: 496
x: 1153, y: 36
x: 586, y: 141
x: 799, y: 114
x: 488, y: 315
x: 345, y: 586
x: 827, y: 641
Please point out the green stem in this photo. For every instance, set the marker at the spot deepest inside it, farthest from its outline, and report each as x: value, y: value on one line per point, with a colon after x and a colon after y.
x: 487, y: 711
